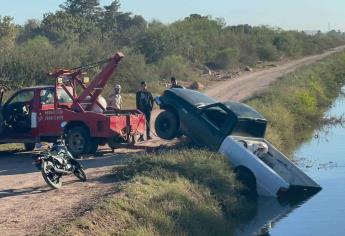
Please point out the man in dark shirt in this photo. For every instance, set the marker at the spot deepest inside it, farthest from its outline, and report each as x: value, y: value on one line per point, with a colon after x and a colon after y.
x: 174, y: 84
x: 145, y: 104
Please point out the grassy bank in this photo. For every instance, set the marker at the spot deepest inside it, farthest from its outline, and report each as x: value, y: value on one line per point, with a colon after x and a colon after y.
x: 194, y: 192
x: 295, y: 105
x: 184, y: 192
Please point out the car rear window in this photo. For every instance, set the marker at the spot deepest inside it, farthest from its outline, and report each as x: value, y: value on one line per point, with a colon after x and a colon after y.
x: 250, y: 128
x: 243, y: 111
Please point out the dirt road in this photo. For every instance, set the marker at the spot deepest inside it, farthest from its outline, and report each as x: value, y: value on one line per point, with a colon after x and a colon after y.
x: 27, y: 204
x: 249, y: 83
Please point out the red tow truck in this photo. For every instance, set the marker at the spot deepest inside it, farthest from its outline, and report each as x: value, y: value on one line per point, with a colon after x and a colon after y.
x: 34, y: 114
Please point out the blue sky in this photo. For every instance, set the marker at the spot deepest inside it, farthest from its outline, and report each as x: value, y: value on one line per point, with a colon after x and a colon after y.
x: 292, y: 14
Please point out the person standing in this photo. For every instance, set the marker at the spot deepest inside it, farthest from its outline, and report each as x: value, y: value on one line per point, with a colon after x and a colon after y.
x: 174, y: 84
x: 145, y: 102
x: 115, y: 99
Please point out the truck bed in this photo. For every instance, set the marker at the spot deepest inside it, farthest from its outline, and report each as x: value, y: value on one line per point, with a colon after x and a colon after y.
x: 284, y: 167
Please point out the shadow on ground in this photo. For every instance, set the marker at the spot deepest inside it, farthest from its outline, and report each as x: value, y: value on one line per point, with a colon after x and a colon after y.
x: 14, y: 163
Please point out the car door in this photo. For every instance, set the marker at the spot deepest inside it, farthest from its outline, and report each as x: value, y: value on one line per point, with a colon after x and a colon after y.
x: 17, y: 113
x: 49, y: 118
x: 206, y: 127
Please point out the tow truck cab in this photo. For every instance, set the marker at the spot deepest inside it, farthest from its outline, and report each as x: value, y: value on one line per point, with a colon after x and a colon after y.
x: 34, y: 114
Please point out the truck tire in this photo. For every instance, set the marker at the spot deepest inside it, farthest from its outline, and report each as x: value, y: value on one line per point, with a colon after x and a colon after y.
x: 247, y: 178
x: 115, y: 142
x: 29, y: 147
x: 93, y: 147
x: 167, y: 125
x: 78, y: 141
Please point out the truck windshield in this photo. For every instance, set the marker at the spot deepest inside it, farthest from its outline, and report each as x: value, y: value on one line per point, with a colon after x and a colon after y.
x: 47, y: 96
x: 63, y: 96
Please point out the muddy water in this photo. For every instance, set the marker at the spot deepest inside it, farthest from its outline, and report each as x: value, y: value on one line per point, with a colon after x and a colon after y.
x: 323, y: 159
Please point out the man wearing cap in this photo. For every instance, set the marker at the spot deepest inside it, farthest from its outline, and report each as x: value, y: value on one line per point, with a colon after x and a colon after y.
x: 115, y: 99
x: 144, y: 101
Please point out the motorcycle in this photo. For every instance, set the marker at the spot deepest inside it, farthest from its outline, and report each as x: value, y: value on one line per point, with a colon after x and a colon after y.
x: 56, y: 161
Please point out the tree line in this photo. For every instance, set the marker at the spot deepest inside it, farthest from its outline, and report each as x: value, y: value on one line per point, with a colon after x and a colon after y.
x: 82, y: 31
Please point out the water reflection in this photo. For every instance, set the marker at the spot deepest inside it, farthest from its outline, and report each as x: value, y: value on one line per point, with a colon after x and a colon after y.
x: 323, y: 158
x: 268, y: 212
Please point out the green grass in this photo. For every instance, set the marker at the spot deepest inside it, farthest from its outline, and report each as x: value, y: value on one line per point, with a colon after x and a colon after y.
x: 294, y: 106
x: 184, y: 192
x: 128, y: 101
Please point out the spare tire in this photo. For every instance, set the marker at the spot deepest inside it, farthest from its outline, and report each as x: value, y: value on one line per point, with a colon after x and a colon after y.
x: 167, y: 125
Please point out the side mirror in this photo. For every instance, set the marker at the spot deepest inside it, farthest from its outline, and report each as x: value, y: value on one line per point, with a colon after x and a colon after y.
x: 63, y: 124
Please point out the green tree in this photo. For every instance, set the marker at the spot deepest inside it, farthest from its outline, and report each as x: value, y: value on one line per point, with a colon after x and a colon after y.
x: 132, y: 70
x: 131, y: 29
x: 225, y: 59
x: 174, y: 66
x: 8, y: 32
x: 156, y: 43
x: 267, y: 52
x: 31, y: 29
x: 81, y: 7
x: 63, y: 27
x: 289, y: 43
x: 108, y: 22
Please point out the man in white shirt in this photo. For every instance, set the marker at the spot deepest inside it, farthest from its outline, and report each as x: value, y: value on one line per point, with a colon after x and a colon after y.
x: 115, y: 99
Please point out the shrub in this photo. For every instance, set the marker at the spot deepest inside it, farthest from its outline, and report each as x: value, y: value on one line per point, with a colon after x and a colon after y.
x: 225, y: 59
x: 174, y: 66
x: 268, y: 52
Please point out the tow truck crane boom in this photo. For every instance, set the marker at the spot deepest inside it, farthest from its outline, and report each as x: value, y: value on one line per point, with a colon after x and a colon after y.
x: 71, y: 78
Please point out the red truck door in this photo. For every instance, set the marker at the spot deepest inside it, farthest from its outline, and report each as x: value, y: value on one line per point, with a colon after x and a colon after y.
x: 49, y: 118
x: 20, y: 113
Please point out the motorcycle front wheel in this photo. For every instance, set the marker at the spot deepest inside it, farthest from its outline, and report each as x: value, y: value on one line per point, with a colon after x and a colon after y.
x: 80, y: 174
x: 53, y: 179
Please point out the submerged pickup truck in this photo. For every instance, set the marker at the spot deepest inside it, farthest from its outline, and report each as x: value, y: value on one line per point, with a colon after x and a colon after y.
x: 237, y: 131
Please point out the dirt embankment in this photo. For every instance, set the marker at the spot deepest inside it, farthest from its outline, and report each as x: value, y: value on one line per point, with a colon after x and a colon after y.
x: 27, y: 204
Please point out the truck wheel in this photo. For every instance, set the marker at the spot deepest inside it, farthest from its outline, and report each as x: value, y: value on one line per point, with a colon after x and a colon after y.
x: 93, y: 147
x: 247, y: 178
x: 114, y: 142
x: 29, y: 147
x: 78, y: 141
x: 166, y: 125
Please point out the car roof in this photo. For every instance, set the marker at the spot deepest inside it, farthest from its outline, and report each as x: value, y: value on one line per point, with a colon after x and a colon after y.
x: 199, y: 99
x: 193, y: 97
x: 242, y: 110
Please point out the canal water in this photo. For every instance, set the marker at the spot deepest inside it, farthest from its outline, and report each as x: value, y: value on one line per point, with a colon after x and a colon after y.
x: 323, y: 159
